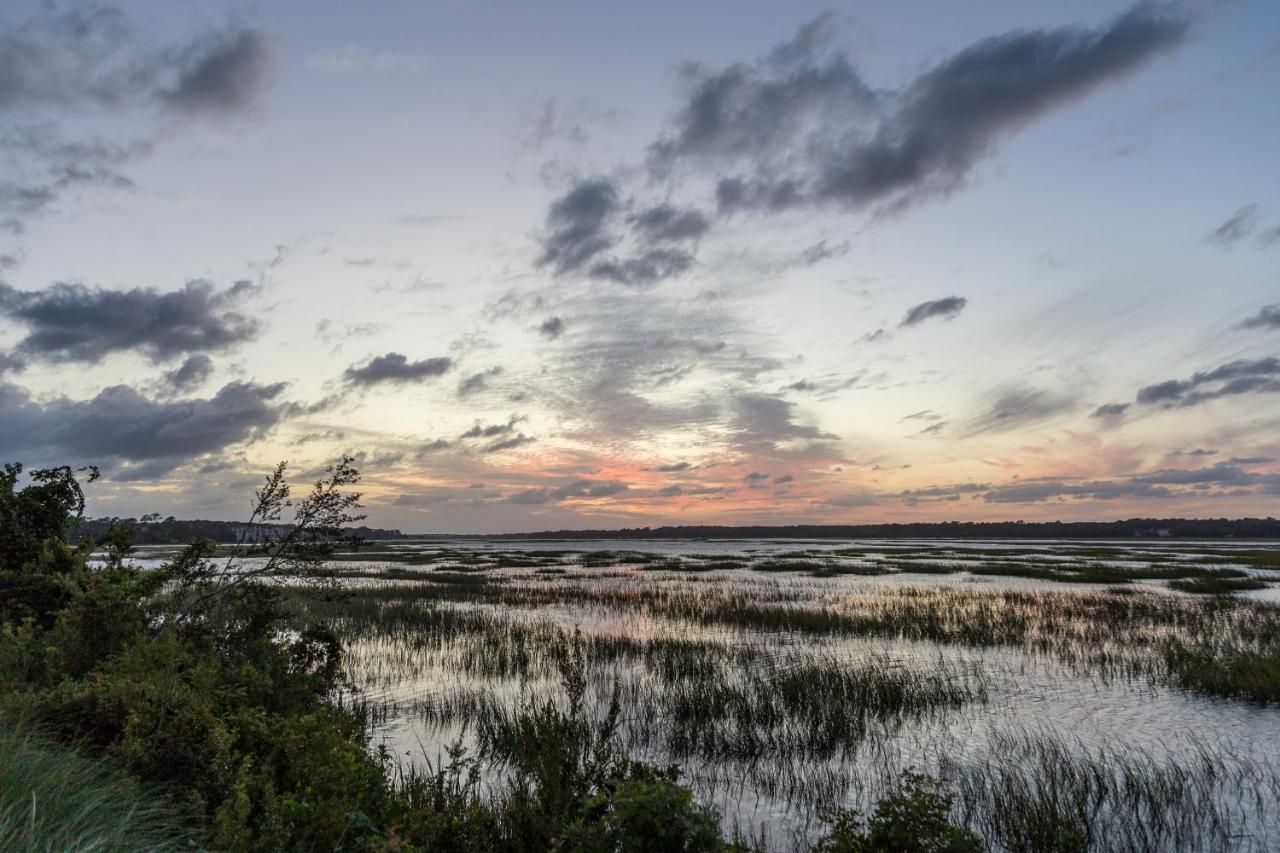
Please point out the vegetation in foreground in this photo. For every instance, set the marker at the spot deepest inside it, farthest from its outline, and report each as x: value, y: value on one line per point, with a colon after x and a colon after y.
x: 54, y: 799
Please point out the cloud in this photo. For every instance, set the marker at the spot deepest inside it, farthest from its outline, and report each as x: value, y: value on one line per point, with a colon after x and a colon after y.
x: 801, y: 127
x: 817, y: 253
x: 11, y: 363
x: 763, y: 424
x: 122, y: 424
x: 672, y: 468
x: 1043, y: 490
x: 498, y: 437
x: 477, y: 382
x: 665, y: 223
x: 1242, y: 376
x: 1018, y: 407
x: 552, y: 327
x: 1163, y: 483
x: 71, y: 322
x: 394, y: 367
x: 517, y: 440
x: 191, y: 374
x: 223, y: 74
x: 646, y: 269
x: 1238, y: 226
x: 480, y: 430
x: 947, y: 308
x: 578, y: 225
x: 582, y: 226
x: 755, y: 477
x: 1110, y: 410
x: 851, y: 501
x: 677, y: 490
x: 92, y: 57
x: 576, y: 490
x: 1268, y: 317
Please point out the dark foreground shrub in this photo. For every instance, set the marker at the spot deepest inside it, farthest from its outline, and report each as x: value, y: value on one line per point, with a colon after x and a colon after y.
x: 911, y: 819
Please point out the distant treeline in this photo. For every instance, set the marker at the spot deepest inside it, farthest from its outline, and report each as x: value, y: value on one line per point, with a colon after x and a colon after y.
x: 153, y: 530
x: 1183, y: 528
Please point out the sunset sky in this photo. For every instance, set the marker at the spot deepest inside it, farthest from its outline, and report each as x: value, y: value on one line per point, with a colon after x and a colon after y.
x: 543, y: 265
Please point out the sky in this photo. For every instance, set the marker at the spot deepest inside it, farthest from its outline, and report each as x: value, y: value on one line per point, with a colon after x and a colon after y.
x: 552, y: 265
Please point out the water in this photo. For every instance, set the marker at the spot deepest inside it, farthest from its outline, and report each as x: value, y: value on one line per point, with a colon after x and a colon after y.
x: 1027, y: 694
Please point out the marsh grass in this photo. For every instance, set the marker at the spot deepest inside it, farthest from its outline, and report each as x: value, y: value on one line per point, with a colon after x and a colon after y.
x: 1252, y: 674
x: 1038, y: 792
x: 1219, y: 583
x: 52, y: 799
x: 738, y: 677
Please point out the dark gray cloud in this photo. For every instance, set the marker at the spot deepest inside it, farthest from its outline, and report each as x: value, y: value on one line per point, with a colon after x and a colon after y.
x: 477, y: 382
x: 1268, y: 317
x: 1043, y: 490
x: 497, y: 437
x: 646, y: 269
x: 1228, y: 472
x: 1237, y: 227
x: 755, y: 477
x: 71, y: 322
x: 1161, y: 392
x: 1242, y: 376
x: 222, y: 73
x: 584, y: 227
x: 672, y: 468
x: 677, y: 490
x: 122, y: 424
x: 552, y: 327
x: 664, y: 223
x: 1110, y: 410
x: 480, y: 430
x: 189, y: 375
x: 941, y: 494
x: 947, y: 308
x: 802, y: 127
x: 11, y: 363
x: 578, y: 225
x: 517, y: 440
x: 394, y: 367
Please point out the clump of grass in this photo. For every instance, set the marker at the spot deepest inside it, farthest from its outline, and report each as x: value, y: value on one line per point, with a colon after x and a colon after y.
x: 789, y: 565
x: 1039, y: 792
x: 1216, y: 584
x: 1231, y: 672
x: 54, y: 799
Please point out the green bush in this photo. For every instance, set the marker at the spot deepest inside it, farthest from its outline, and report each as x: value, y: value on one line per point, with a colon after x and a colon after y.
x: 644, y: 816
x: 911, y: 819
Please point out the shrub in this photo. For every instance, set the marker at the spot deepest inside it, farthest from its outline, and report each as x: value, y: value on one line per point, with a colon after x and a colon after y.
x: 911, y: 819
